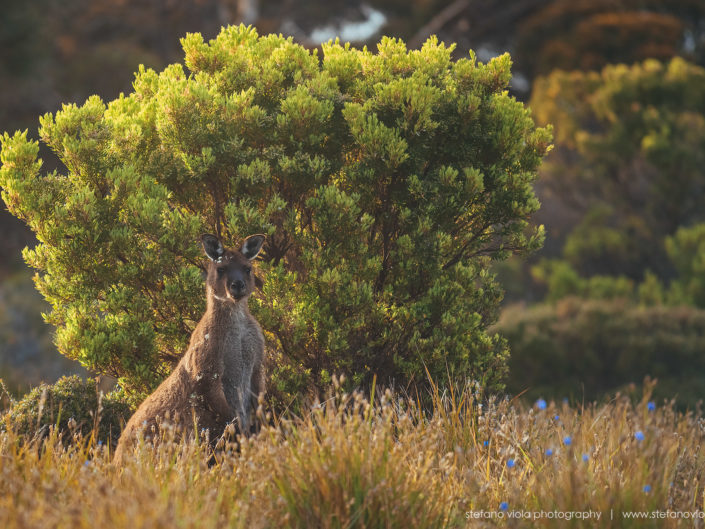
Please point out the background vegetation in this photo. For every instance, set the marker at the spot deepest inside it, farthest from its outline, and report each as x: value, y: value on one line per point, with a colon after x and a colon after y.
x: 620, y: 192
x: 617, y: 292
x: 622, y: 196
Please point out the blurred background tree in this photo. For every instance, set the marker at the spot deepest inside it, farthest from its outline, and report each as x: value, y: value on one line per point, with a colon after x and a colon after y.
x: 589, y: 34
x: 629, y: 166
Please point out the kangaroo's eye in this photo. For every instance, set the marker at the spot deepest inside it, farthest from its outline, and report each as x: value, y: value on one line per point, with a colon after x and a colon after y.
x: 221, y: 271
x: 248, y: 270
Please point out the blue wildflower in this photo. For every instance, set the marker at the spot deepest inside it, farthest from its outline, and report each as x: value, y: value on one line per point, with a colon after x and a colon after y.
x: 549, y: 452
x: 557, y: 418
x: 567, y: 440
x: 647, y: 488
x: 541, y: 404
x: 586, y: 457
x: 510, y: 463
x: 651, y: 406
x: 639, y: 435
x: 503, y: 506
x: 485, y: 443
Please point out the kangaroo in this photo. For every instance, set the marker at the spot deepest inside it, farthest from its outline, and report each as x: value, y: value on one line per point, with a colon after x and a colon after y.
x: 221, y: 374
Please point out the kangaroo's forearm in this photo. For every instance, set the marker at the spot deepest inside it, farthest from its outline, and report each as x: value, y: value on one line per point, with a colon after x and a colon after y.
x: 218, y: 403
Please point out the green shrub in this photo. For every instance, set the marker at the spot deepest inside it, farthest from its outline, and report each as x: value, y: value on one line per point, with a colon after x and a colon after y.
x: 386, y: 183
x: 562, y: 280
x: 686, y: 249
x: 588, y: 348
x: 686, y: 252
x: 71, y: 405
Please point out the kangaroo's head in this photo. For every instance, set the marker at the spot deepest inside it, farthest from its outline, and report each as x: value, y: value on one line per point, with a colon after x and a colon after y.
x: 230, y: 276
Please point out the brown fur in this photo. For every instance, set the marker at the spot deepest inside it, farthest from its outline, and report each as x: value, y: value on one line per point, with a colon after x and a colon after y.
x: 220, y: 376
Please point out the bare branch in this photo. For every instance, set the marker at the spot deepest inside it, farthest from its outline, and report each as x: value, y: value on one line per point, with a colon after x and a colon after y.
x: 436, y: 23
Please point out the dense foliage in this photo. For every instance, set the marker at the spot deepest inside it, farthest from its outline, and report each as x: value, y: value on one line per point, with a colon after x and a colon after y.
x: 686, y: 255
x: 386, y: 182
x: 589, y: 349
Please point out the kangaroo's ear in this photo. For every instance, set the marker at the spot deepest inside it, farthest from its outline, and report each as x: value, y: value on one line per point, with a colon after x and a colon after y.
x: 252, y: 245
x: 212, y: 246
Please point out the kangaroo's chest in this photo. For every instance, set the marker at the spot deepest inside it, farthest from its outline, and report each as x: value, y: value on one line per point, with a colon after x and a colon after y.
x: 239, y: 350
x: 237, y: 339
x: 238, y: 363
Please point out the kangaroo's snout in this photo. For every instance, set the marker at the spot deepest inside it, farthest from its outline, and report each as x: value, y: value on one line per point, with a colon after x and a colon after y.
x: 238, y: 288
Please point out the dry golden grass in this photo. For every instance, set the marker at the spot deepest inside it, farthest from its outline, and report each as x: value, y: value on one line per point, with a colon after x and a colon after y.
x: 351, y: 464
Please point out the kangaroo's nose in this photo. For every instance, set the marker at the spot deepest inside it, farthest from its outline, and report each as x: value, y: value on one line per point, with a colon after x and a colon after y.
x: 237, y: 286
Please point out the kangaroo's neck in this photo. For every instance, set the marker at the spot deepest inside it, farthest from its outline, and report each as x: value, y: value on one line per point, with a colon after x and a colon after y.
x: 223, y: 311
